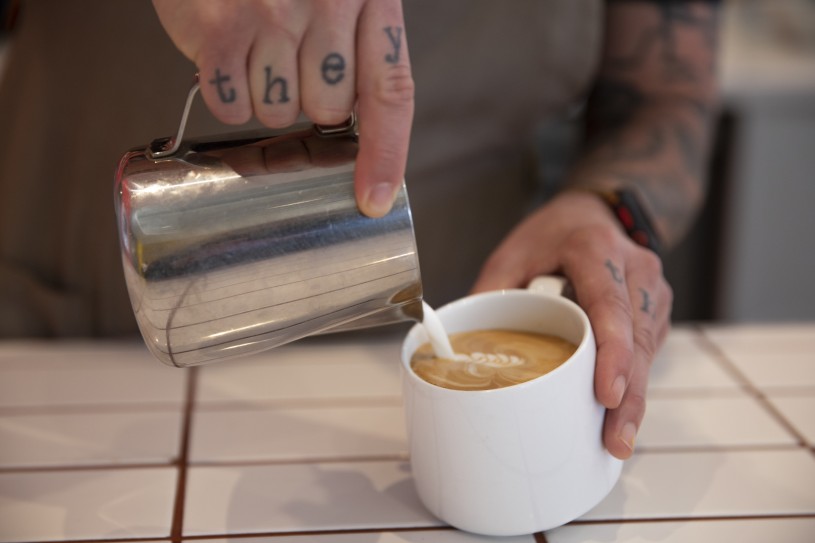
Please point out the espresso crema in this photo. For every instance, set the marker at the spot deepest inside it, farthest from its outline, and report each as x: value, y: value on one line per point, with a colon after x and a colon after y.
x: 489, y: 359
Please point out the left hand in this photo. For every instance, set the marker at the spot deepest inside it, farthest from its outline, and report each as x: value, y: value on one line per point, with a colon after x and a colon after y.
x: 274, y: 58
x: 618, y: 283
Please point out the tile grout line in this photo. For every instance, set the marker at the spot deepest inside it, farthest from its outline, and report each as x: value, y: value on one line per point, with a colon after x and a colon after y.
x: 84, y: 467
x: 711, y: 518
x: 89, y: 409
x: 339, y: 531
x: 653, y: 450
x: 539, y: 537
x: 209, y: 406
x: 729, y: 366
x: 300, y: 461
x: 734, y: 448
x: 177, y: 526
x: 297, y: 403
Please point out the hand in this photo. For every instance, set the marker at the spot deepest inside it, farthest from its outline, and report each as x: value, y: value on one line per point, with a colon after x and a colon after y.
x: 618, y: 283
x: 274, y: 58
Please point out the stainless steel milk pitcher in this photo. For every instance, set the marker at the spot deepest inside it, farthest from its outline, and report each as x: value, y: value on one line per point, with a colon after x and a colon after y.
x: 235, y: 246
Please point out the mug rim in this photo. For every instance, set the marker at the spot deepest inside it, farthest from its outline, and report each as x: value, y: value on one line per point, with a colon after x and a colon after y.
x: 475, y: 298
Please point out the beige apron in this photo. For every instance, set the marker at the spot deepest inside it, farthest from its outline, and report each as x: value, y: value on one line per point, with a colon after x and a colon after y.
x: 87, y: 79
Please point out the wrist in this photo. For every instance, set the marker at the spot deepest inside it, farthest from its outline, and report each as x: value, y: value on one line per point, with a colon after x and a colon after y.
x: 625, y: 206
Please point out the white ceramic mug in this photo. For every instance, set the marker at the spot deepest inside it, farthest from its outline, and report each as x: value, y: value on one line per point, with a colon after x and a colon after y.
x: 514, y: 460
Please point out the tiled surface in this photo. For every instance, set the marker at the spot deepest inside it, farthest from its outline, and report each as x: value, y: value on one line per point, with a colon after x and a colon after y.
x: 320, y: 496
x: 776, y: 357
x: 61, y: 374
x: 788, y: 530
x: 800, y: 412
x: 286, y: 434
x: 52, y: 439
x: 709, y: 421
x: 713, y: 484
x: 307, y: 443
x: 686, y: 363
x: 366, y: 370
x: 86, y: 504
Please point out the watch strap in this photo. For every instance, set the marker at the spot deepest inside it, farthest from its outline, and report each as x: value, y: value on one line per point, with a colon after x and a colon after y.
x: 626, y: 206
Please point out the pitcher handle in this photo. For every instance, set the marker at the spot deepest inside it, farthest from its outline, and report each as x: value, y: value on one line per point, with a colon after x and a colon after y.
x: 164, y: 147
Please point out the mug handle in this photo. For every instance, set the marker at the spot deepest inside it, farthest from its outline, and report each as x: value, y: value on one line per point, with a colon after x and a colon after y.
x: 552, y: 285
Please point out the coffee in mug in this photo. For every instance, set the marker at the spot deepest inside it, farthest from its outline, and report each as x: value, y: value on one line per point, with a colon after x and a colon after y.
x: 490, y: 359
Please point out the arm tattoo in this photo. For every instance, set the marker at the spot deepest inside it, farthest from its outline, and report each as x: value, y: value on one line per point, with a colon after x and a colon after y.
x: 396, y: 42
x: 227, y: 95
x: 649, y: 114
x: 333, y: 68
x: 271, y: 83
x: 615, y: 271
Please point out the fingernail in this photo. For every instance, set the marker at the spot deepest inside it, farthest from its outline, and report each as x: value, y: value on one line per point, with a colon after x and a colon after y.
x: 380, y: 200
x: 628, y: 435
x: 618, y: 390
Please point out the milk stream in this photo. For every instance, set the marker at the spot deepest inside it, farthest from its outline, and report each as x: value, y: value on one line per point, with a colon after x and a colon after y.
x: 438, y: 336
x: 442, y: 348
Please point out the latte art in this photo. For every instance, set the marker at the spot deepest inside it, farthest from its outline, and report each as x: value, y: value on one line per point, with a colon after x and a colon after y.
x: 489, y: 359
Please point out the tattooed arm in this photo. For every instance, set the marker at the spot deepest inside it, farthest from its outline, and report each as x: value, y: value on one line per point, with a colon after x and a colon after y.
x: 649, y: 121
x: 649, y: 115
x: 274, y: 58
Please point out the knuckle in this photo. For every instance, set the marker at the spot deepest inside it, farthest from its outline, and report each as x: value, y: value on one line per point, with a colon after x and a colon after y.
x: 635, y: 401
x: 590, y: 239
x: 279, y: 12
x: 650, y: 263
x: 276, y: 119
x: 617, y: 306
x: 623, y: 357
x: 327, y: 114
x: 645, y: 340
x: 396, y: 88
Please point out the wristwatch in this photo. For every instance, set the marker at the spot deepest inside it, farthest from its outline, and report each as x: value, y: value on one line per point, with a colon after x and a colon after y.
x: 626, y: 206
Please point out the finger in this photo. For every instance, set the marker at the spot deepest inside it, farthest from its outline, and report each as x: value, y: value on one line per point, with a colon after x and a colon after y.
x: 274, y: 77
x: 622, y: 424
x: 647, y: 291
x: 327, y: 63
x: 224, y: 85
x: 385, y: 100
x: 595, y: 264
x: 644, y: 280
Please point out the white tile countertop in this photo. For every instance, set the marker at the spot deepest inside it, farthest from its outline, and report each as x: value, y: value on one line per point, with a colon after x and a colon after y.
x: 100, y: 442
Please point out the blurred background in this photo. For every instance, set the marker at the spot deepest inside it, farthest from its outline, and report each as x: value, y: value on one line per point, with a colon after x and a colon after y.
x: 751, y: 255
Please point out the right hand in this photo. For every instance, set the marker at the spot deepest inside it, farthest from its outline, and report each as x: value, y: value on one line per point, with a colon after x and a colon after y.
x: 274, y: 58
x: 619, y: 284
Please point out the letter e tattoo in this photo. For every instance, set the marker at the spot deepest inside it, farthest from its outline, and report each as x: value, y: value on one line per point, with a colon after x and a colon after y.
x: 333, y: 68
x: 396, y: 41
x: 227, y: 95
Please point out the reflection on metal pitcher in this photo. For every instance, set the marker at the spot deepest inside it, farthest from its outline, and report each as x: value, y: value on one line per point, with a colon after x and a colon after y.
x: 233, y: 247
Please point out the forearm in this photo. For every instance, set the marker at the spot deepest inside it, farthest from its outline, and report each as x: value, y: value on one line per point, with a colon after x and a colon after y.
x: 649, y: 119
